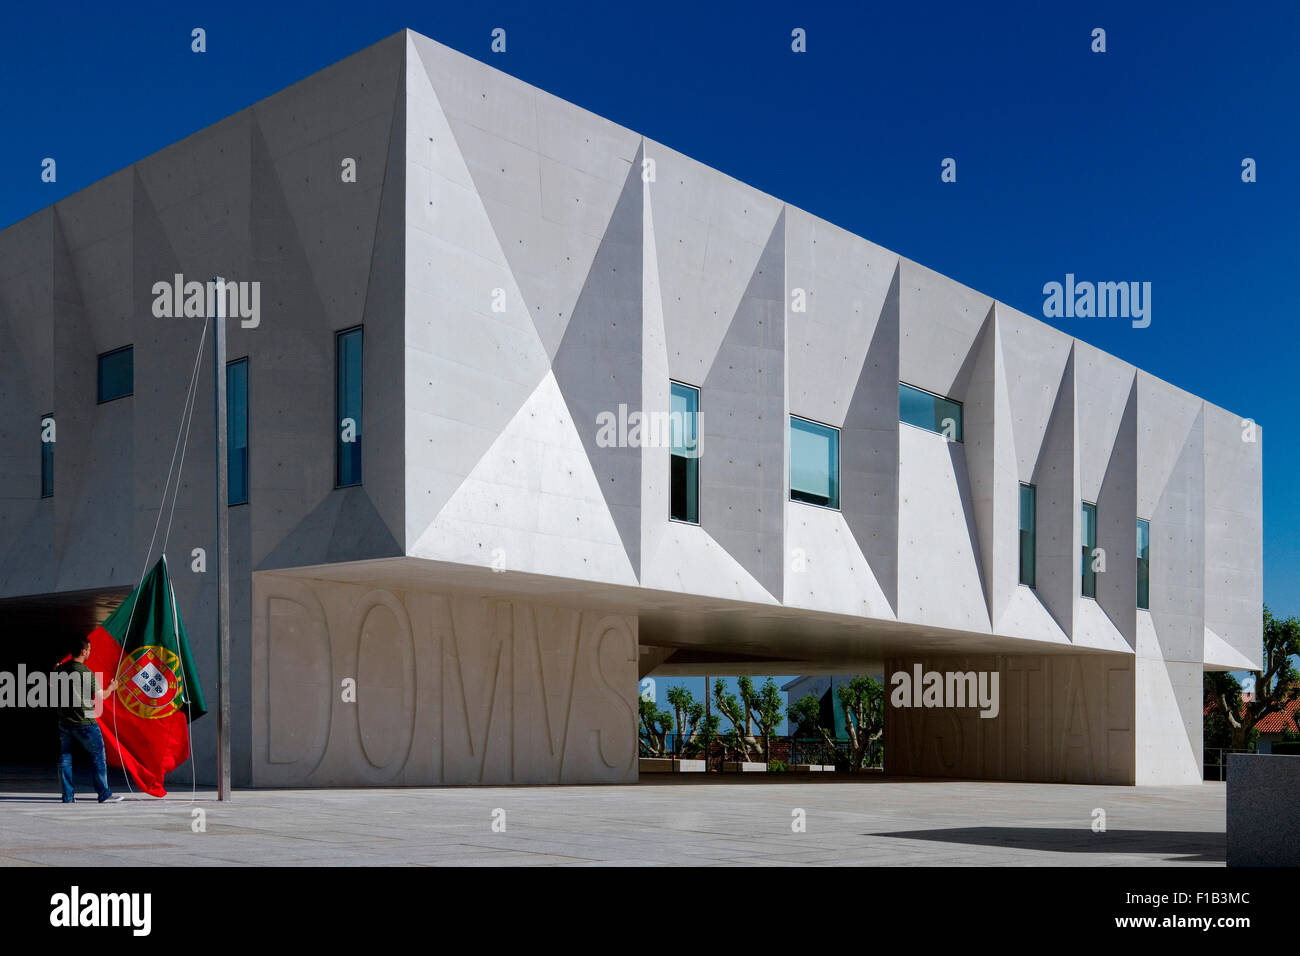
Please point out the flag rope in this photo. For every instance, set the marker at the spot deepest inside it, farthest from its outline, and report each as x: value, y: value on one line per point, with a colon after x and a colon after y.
x: 187, y: 415
x: 192, y: 400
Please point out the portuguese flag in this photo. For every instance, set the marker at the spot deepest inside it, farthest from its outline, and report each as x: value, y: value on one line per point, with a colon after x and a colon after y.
x: 146, y: 721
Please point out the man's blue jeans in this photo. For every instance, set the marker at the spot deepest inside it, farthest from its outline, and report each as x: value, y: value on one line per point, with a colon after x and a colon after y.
x: 91, y: 741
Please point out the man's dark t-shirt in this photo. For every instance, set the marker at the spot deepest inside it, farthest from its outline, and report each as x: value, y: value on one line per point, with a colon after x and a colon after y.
x: 82, y: 709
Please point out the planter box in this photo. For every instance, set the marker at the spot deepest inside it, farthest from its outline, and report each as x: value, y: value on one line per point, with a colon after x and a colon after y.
x: 811, y: 768
x: 746, y: 767
x: 1263, y: 813
x: 667, y: 765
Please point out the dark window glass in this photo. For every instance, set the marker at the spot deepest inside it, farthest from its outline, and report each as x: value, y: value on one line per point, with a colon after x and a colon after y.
x: 1088, y: 529
x: 929, y: 411
x: 47, y: 455
x: 347, y: 421
x: 1028, y: 531
x: 685, y: 479
x: 237, y: 431
x: 1144, y: 563
x: 814, y: 463
x: 116, y: 374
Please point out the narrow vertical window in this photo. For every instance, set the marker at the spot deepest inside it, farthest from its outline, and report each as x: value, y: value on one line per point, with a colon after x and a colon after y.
x: 684, y: 423
x: 1144, y: 563
x: 814, y: 463
x: 47, y: 455
x: 347, y: 418
x: 237, y: 431
x: 116, y: 376
x: 1028, y: 531
x: 1088, y: 529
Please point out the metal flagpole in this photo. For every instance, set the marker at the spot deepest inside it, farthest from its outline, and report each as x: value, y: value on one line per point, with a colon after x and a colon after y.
x: 223, y: 543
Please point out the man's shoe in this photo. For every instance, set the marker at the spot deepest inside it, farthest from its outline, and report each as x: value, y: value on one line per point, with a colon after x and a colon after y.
x: 113, y: 800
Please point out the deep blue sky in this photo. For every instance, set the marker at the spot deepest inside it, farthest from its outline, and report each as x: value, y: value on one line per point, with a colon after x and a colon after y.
x: 1117, y: 166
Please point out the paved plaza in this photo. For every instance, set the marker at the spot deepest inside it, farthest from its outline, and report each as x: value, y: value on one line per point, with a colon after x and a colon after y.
x: 868, y: 821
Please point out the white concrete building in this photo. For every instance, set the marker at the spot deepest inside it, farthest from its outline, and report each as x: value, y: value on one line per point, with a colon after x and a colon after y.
x: 491, y: 563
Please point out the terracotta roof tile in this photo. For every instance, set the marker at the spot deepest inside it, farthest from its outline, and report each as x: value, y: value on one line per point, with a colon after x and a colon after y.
x: 1281, y: 721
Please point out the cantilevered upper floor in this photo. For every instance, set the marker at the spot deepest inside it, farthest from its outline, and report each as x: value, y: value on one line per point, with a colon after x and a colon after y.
x: 481, y: 277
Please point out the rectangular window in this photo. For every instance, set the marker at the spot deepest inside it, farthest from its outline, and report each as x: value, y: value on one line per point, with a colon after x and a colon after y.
x: 1144, y: 563
x: 1028, y: 530
x: 685, y: 477
x: 237, y: 431
x: 929, y: 411
x: 47, y: 455
x: 347, y: 419
x: 814, y: 463
x: 116, y: 374
x: 1088, y: 534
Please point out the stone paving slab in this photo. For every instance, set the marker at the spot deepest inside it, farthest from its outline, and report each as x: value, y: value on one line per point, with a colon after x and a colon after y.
x: 681, y: 820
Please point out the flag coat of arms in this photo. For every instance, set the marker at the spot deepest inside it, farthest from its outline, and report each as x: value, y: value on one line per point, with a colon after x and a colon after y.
x: 146, y: 721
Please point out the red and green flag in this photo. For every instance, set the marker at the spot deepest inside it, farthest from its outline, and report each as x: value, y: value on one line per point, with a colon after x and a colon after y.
x: 146, y: 722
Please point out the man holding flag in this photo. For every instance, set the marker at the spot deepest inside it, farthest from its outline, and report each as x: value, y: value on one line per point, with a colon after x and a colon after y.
x: 155, y: 692
x: 77, y: 723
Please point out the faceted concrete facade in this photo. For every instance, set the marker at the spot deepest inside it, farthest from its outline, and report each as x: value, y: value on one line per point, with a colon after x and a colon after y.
x: 501, y: 579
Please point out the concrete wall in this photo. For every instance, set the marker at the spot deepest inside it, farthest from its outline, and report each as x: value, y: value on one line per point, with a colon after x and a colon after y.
x: 449, y: 689
x: 1061, y: 718
x: 1234, y: 534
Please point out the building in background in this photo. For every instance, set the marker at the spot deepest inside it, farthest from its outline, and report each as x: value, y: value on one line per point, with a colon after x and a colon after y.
x: 872, y: 467
x: 825, y: 687
x: 1279, y: 726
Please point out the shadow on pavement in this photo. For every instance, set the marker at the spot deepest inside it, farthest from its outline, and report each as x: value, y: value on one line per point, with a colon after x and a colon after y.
x: 1190, y: 846
x: 40, y: 780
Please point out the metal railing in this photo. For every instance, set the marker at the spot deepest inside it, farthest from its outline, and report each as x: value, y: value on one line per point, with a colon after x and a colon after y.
x: 1215, y: 761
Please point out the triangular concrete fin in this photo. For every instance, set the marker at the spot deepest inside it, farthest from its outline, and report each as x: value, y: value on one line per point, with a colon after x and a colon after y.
x: 1056, y: 478
x: 384, y: 317
x: 598, y: 363
x: 742, y: 474
x: 532, y: 503
x: 1117, y: 519
x: 869, y: 469
x: 344, y: 527
x: 1220, y: 654
x: 473, y: 355
x: 991, y: 464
